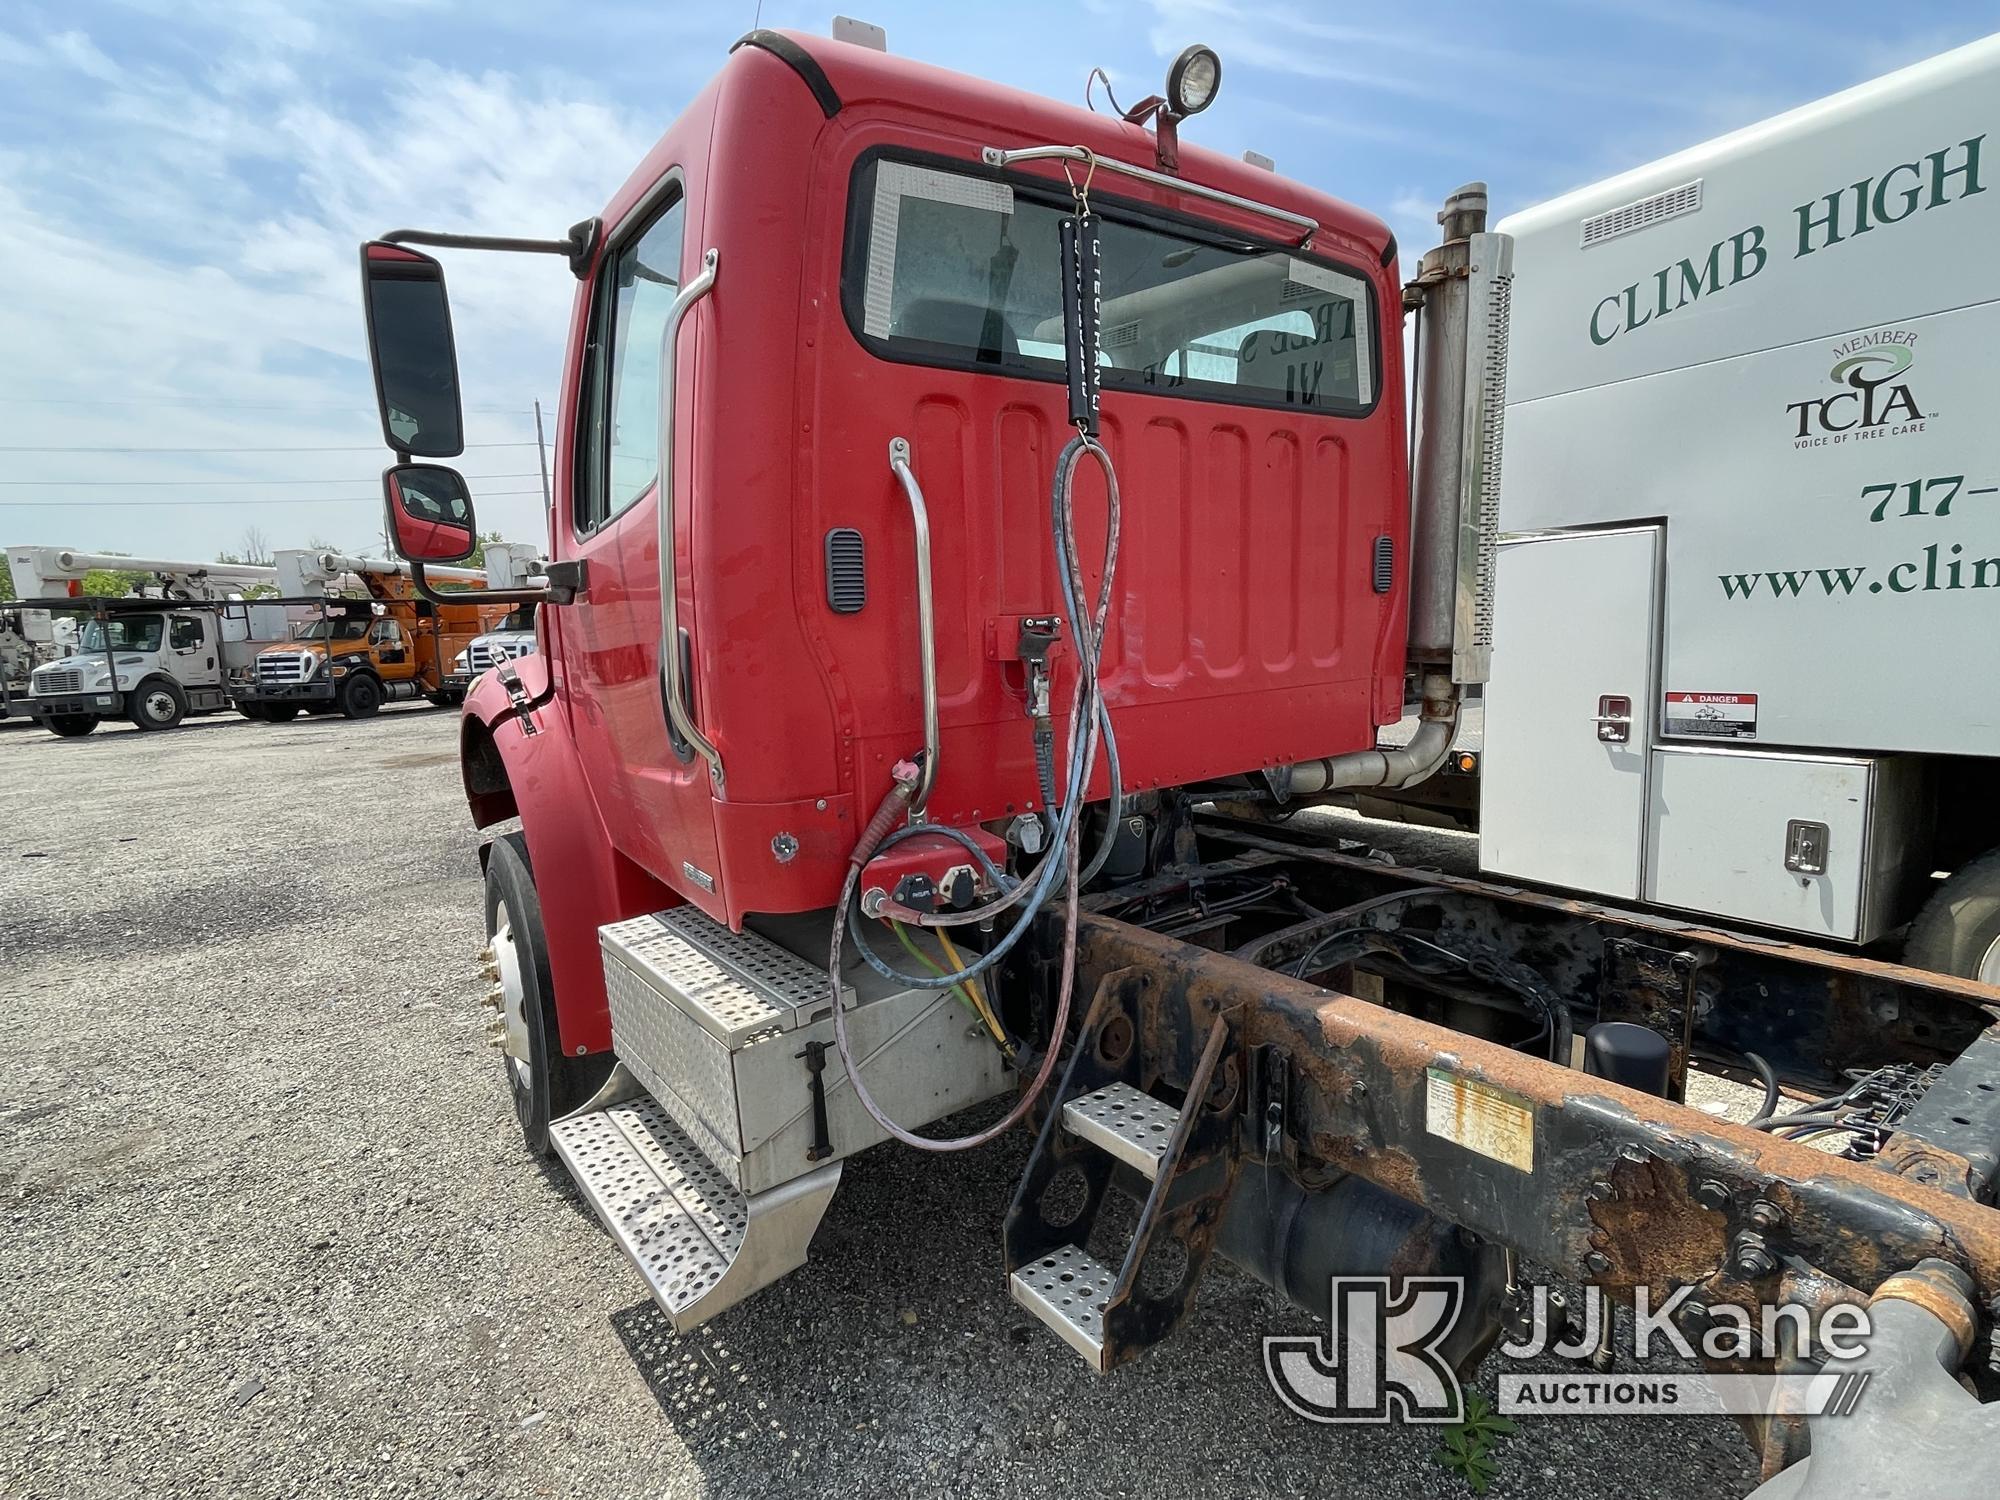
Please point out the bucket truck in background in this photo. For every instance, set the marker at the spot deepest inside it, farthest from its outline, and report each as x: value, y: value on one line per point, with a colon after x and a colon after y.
x: 389, y: 645
x: 167, y: 651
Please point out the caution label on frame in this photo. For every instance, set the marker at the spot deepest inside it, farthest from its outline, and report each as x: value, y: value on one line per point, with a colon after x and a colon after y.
x: 1480, y: 1118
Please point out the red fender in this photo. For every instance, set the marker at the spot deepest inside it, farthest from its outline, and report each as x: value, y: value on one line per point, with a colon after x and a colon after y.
x: 581, y: 878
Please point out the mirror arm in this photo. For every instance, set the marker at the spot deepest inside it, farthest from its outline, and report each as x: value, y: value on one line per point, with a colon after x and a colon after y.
x: 555, y: 593
x: 577, y: 246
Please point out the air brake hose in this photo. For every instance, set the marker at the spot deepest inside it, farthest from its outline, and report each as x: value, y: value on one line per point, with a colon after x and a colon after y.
x: 1087, y: 720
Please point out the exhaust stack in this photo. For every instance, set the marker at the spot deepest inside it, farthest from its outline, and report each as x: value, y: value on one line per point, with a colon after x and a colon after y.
x: 1462, y: 293
x: 1466, y: 287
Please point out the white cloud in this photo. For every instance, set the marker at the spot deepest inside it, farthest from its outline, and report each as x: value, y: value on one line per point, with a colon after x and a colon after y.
x: 180, y: 253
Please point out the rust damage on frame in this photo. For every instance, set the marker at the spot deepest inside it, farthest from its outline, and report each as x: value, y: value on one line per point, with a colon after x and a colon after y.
x: 1625, y: 1189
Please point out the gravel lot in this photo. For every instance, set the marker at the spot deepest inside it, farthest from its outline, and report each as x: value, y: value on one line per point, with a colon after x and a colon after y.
x: 269, y: 1230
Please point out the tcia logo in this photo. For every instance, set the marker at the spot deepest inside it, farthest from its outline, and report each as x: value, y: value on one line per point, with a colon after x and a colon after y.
x: 1873, y: 399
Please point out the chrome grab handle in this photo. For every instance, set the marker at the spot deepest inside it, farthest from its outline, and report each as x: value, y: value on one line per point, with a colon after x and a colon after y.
x: 920, y: 521
x: 994, y: 156
x: 673, y: 686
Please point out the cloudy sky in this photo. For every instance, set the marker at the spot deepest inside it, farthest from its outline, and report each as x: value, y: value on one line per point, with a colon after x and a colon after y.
x: 183, y: 184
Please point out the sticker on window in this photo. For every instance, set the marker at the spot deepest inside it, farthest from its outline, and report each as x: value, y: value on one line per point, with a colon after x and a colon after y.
x: 895, y: 181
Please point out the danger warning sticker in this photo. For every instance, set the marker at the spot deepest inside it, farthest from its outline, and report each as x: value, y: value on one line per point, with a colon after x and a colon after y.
x: 1715, y: 716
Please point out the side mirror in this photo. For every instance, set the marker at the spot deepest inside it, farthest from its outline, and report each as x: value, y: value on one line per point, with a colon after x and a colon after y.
x: 410, y: 345
x: 430, y: 513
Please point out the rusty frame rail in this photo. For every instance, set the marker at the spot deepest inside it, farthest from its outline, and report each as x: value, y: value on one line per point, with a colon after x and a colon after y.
x: 1594, y: 1180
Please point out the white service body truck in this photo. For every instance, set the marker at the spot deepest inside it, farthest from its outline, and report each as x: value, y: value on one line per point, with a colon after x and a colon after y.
x: 152, y: 660
x: 27, y: 637
x: 509, y: 565
x: 1747, y: 614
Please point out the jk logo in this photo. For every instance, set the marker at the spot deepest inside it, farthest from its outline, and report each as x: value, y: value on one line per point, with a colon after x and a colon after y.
x: 1379, y: 1361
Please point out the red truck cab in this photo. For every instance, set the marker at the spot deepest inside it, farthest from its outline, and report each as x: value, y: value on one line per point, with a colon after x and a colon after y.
x: 874, y: 277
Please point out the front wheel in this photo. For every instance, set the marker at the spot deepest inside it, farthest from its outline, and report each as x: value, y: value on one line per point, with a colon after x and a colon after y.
x: 545, y: 1085
x: 360, y: 696
x: 159, y: 704
x: 1958, y: 930
x: 71, y: 726
x: 280, y: 713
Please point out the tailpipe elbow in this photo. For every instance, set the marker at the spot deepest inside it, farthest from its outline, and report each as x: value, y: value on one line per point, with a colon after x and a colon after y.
x: 1393, y: 767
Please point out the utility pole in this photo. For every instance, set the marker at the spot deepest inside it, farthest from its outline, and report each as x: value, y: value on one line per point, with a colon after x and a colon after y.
x: 542, y: 448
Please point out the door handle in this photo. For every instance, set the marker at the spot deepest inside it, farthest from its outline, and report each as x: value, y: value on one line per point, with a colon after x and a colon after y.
x: 1613, y: 719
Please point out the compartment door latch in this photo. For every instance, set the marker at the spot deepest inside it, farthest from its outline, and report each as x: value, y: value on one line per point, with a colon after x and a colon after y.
x: 1613, y: 719
x: 1805, y: 847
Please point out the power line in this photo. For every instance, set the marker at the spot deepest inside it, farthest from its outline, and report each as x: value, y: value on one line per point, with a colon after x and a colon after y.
x: 151, y: 483
x: 177, y: 504
x: 367, y: 448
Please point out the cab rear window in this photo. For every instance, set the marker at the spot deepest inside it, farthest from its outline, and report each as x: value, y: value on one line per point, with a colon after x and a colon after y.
x: 949, y: 268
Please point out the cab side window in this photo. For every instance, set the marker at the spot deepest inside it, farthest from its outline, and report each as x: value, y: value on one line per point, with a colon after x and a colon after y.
x: 185, y: 633
x: 386, y: 633
x: 619, y: 455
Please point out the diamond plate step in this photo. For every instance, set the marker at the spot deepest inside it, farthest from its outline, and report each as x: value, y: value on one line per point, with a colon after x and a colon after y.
x: 735, y: 984
x: 1130, y: 1125
x: 1067, y: 1289
x: 701, y: 1245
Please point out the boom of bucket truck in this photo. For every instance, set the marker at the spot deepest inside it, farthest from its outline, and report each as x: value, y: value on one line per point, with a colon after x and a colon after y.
x: 962, y: 501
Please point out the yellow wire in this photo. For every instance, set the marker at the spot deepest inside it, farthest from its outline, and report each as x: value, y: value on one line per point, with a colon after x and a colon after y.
x: 978, y: 994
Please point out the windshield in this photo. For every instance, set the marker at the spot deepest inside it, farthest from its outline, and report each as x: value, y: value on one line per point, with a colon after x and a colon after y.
x: 337, y: 630
x: 132, y: 633
x: 951, y: 269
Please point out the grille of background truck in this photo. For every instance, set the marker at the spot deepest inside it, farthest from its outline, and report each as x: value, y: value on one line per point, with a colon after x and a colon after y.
x: 65, y: 681
x: 285, y: 667
x: 483, y: 654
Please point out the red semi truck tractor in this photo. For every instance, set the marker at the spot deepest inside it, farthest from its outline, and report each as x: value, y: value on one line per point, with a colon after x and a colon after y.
x: 978, y: 524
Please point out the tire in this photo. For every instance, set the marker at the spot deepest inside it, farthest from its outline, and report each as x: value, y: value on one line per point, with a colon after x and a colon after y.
x: 544, y: 1085
x: 360, y: 696
x: 158, y: 704
x: 251, y: 711
x: 1958, y: 930
x: 280, y: 713
x: 71, y: 726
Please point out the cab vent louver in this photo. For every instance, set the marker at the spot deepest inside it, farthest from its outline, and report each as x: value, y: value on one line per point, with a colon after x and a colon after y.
x: 1385, y: 564
x: 846, y: 571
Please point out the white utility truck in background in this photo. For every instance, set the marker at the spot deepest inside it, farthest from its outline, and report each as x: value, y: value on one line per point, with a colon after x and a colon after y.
x: 167, y: 652
x: 508, y: 566
x: 28, y: 637
x: 1746, y: 632
x: 513, y: 640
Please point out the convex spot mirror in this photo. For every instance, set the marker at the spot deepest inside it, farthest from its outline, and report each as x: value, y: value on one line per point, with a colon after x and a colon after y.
x: 410, y: 346
x: 430, y: 513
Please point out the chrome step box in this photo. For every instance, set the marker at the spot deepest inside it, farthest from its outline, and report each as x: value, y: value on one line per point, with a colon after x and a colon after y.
x: 716, y: 1025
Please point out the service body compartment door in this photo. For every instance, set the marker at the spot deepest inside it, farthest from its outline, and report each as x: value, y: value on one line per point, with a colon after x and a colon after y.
x: 1569, y: 709
x: 1813, y: 844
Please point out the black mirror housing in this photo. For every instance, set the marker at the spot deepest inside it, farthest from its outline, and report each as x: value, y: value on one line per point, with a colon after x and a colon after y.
x: 410, y: 346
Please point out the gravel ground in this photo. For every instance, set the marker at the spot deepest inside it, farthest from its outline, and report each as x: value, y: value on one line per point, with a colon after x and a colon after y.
x: 269, y: 1230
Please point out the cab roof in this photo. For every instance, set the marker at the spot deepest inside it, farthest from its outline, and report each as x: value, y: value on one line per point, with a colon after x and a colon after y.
x: 843, y: 77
